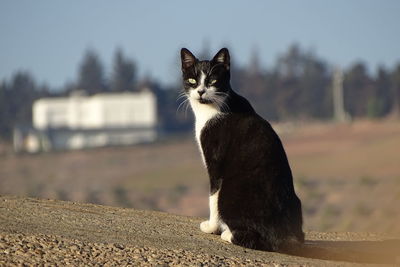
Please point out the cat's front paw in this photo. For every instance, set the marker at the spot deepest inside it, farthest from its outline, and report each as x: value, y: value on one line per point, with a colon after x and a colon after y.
x: 208, y: 227
x: 227, y: 236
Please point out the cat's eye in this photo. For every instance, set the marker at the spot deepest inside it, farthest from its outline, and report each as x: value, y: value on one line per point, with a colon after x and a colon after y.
x: 213, y: 82
x: 192, y: 81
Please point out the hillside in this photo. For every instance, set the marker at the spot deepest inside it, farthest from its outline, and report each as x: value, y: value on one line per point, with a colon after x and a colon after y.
x: 347, y: 175
x: 58, y: 232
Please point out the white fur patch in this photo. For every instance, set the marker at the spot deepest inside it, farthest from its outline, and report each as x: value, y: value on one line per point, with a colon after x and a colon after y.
x: 213, y: 202
x: 203, y: 112
x: 227, y: 235
x: 208, y: 228
x: 214, y: 223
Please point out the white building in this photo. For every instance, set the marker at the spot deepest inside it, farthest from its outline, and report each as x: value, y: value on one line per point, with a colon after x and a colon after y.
x: 81, y: 121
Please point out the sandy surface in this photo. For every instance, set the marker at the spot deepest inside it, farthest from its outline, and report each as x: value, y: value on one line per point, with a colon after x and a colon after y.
x: 49, y: 232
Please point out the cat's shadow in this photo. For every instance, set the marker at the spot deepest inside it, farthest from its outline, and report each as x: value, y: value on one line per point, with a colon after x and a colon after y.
x: 377, y: 252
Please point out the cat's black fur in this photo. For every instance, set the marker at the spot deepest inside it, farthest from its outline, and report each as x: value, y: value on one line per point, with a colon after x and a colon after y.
x: 246, y: 163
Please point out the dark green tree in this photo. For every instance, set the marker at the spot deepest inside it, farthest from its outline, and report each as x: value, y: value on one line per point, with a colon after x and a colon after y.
x: 16, y: 99
x: 315, y: 100
x: 91, y: 74
x: 253, y: 85
x: 379, y: 103
x: 4, y: 118
x: 302, y: 85
x: 358, y: 89
x: 124, y: 73
x: 289, y: 68
x: 395, y: 92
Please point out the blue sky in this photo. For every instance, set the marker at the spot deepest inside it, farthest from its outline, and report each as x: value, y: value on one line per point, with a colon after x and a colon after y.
x: 49, y: 37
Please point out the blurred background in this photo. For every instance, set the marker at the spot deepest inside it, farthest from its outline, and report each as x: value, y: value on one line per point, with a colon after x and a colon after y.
x: 89, y: 107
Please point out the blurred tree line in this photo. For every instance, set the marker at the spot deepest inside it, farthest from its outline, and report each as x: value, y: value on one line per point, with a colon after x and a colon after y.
x: 297, y: 86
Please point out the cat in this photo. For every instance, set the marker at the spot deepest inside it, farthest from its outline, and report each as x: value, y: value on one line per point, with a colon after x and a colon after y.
x: 252, y: 199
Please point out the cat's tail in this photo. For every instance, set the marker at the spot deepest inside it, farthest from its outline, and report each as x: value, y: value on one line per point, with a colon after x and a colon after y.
x: 270, y: 242
x: 377, y: 252
x: 248, y: 239
x: 291, y: 246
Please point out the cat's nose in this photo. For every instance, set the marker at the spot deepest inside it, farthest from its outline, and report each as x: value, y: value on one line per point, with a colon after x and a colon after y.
x: 201, y: 92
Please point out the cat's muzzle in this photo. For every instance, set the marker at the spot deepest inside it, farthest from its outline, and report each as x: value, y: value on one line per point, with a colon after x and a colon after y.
x: 204, y: 101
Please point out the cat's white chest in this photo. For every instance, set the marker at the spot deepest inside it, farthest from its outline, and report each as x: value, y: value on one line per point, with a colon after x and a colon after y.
x: 203, y: 113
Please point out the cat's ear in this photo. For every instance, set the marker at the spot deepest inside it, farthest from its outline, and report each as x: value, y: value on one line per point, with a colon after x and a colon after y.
x: 187, y: 58
x: 223, y: 57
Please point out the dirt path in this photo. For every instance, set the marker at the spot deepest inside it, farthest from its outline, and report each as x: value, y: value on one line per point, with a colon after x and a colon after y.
x: 57, y: 233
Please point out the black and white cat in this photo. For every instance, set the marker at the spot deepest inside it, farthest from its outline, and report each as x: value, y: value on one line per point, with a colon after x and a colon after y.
x: 252, y: 199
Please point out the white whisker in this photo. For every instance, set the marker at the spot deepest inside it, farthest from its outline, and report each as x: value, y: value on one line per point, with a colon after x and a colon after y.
x: 222, y: 106
x: 187, y: 106
x: 181, y: 95
x: 222, y: 93
x: 186, y: 101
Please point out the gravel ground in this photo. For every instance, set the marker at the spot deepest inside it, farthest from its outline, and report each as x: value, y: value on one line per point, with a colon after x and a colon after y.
x: 59, y: 233
x: 48, y: 250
